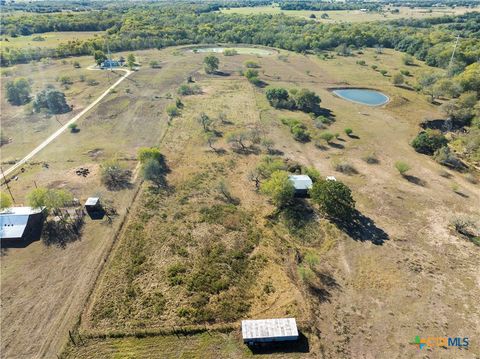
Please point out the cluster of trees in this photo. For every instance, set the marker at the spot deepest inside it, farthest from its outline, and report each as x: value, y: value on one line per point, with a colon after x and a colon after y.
x: 327, y: 6
x: 159, y: 26
x: 333, y: 198
x: 303, y: 99
x: 52, y: 100
x: 18, y: 92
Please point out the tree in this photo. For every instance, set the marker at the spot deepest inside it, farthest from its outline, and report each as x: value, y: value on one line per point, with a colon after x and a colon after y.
x: 470, y: 78
x: 131, y: 61
x: 238, y: 140
x: 426, y: 82
x: 461, y: 110
x: 313, y: 173
x: 149, y: 153
x: 114, y: 176
x: 52, y: 199
x: 211, y: 138
x: 307, y: 101
x: 211, y: 63
x: 279, y: 188
x: 397, y: 79
x: 279, y: 98
x: 333, y: 198
x: 18, y: 91
x: 153, y: 170
x: 52, y: 100
x: 250, y: 73
x: 5, y: 200
x: 427, y: 142
x: 99, y: 57
x: 402, y: 167
x: 326, y: 136
x: 205, y: 121
x: 447, y: 87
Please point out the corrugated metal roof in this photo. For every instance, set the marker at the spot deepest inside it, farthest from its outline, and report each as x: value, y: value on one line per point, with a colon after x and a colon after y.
x: 13, y: 221
x: 301, y: 182
x: 92, y: 201
x: 269, y: 328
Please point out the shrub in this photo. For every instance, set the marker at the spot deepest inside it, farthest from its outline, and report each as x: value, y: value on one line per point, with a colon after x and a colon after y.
x: 114, y: 176
x: 5, y: 200
x: 384, y: 72
x: 346, y: 168
x: 407, y: 59
x: 176, y: 273
x: 297, y: 129
x: 279, y: 188
x: 211, y: 63
x: 445, y: 157
x: 371, y: 158
x: 251, y: 64
x: 361, y: 63
x: 348, y: 131
x: 250, y: 73
x: 307, y: 101
x: 186, y: 90
x: 402, y: 167
x: 73, y: 128
x: 326, y: 136
x: 427, y: 142
x: 18, y: 91
x: 375, y: 67
x: 230, y: 52
x: 405, y: 72
x: 397, y: 79
x: 154, y: 64
x: 76, y: 64
x: 172, y: 110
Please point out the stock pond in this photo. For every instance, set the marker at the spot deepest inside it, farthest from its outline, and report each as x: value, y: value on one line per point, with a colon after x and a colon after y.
x: 240, y: 50
x: 362, y: 96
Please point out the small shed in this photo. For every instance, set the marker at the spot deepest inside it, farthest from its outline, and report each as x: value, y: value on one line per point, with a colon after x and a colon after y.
x: 302, y: 184
x: 269, y: 330
x: 94, y: 208
x: 20, y: 223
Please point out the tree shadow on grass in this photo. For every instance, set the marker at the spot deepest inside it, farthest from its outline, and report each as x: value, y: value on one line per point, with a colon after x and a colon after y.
x: 322, y: 290
x: 300, y: 345
x: 361, y: 228
x: 336, y: 145
x: 415, y: 180
x: 59, y: 233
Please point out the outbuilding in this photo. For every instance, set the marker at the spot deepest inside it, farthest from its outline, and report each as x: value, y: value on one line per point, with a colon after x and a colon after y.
x: 301, y: 183
x: 94, y: 208
x: 107, y: 64
x: 18, y: 223
x: 269, y: 330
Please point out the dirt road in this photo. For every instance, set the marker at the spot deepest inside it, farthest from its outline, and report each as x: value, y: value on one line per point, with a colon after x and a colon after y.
x: 64, y: 127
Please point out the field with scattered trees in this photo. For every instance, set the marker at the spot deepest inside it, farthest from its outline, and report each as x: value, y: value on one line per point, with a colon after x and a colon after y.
x: 191, y: 156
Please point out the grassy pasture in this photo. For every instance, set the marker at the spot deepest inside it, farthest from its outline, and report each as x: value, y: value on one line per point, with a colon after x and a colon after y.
x: 333, y: 284
x: 335, y: 281
x: 354, y: 15
x: 46, y: 40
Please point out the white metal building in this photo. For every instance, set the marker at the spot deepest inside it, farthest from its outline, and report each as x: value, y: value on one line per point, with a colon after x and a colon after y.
x: 302, y: 184
x: 269, y: 330
x: 17, y: 222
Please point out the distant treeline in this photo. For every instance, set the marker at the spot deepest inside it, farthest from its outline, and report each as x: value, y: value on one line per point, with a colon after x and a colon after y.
x: 325, y: 6
x: 157, y: 27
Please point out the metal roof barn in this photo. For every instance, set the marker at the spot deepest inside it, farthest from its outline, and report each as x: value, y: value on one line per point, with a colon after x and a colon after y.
x: 15, y: 220
x: 269, y: 330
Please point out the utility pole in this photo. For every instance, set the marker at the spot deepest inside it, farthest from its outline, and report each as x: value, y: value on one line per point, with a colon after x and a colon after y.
x: 6, y: 184
x: 454, y: 49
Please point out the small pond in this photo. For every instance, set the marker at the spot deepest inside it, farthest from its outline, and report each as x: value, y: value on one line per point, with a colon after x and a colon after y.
x: 363, y: 96
x: 240, y: 50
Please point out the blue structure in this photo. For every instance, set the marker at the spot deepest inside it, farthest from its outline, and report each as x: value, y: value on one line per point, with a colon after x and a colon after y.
x: 109, y: 63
